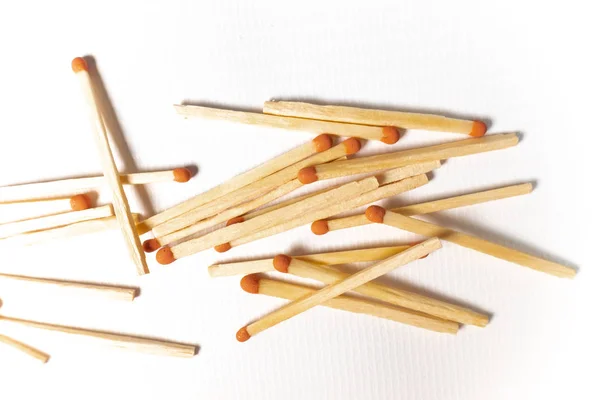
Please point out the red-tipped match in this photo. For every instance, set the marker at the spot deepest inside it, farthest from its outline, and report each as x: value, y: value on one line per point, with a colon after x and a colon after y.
x: 165, y: 256
x: 390, y: 135
x: 479, y: 129
x: 181, y: 175
x: 150, y: 245
x: 320, y: 227
x: 322, y: 142
x: 375, y: 214
x: 222, y: 248
x: 352, y: 145
x: 80, y: 202
x: 242, y: 335
x: 235, y: 220
x: 281, y: 263
x: 78, y: 64
x: 250, y: 283
x: 308, y: 175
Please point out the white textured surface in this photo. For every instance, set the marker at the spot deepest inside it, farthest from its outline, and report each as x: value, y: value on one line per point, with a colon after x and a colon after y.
x: 529, y: 66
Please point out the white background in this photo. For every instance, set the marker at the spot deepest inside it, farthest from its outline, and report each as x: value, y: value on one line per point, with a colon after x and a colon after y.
x: 529, y: 67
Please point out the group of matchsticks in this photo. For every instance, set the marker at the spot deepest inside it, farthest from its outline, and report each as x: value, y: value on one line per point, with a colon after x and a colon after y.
x: 243, y: 205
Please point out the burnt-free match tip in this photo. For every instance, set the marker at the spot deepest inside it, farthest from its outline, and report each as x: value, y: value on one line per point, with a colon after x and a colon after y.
x: 308, y: 175
x: 479, y: 129
x: 150, y: 245
x: 352, y: 145
x: 165, y: 256
x: 235, y: 220
x: 375, y: 214
x: 320, y: 227
x: 79, y: 64
x: 281, y: 263
x: 242, y: 335
x: 322, y: 142
x: 250, y: 283
x: 181, y: 175
x: 222, y: 248
x: 80, y: 202
x: 390, y: 135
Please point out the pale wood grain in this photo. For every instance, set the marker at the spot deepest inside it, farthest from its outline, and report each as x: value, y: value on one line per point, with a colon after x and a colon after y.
x: 25, y: 348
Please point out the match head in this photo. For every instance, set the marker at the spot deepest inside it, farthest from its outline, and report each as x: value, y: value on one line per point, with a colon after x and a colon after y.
x: 250, y: 283
x: 78, y: 64
x: 320, y: 227
x: 150, y: 245
x: 165, y: 256
x: 222, y: 248
x: 375, y: 214
x: 181, y: 175
x: 308, y: 175
x: 281, y: 263
x: 80, y: 202
x: 322, y: 142
x: 235, y: 220
x: 352, y: 145
x: 390, y: 135
x: 242, y: 335
x: 478, y: 130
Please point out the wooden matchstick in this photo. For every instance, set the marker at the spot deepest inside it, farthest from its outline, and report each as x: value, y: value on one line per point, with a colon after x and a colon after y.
x: 53, y: 221
x: 167, y: 255
x: 16, y: 212
x: 381, y: 215
x: 54, y: 189
x: 402, y: 298
x: 334, y: 209
x: 406, y: 157
x: 138, y: 343
x: 332, y: 258
x: 329, y: 292
x: 25, y: 348
x: 387, y: 135
x: 111, y: 291
x: 353, y: 115
x: 270, y: 287
x: 431, y: 206
x: 121, y: 206
x: 255, y: 189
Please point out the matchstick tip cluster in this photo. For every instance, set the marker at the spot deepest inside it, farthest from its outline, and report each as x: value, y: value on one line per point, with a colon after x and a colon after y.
x: 390, y: 135
x: 479, y: 129
x: 375, y: 214
x: 281, y: 263
x: 250, y: 283
x: 79, y: 64
x: 80, y: 202
x: 181, y: 175
x: 322, y: 142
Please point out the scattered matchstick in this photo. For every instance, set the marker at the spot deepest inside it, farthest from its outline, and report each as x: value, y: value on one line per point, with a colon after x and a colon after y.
x: 21, y: 211
x: 111, y: 291
x: 329, y: 292
x: 381, y: 215
x: 138, y: 343
x: 121, y: 206
x: 387, y: 134
x: 354, y: 115
x: 25, y: 348
x: 430, y: 206
x: 270, y: 287
x: 53, y: 189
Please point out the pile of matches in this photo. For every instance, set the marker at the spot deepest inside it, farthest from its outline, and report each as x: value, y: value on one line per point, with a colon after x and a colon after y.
x: 243, y: 205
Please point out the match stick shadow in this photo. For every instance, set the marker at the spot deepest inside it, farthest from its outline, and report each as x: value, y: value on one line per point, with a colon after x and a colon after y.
x: 113, y: 126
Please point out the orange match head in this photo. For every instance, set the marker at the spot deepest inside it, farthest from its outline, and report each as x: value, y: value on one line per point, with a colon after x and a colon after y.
x: 222, y: 248
x: 250, y: 283
x: 351, y: 145
x: 181, y: 175
x: 235, y: 220
x: 308, y: 175
x: 242, y: 335
x: 479, y: 129
x: 390, y: 135
x: 282, y: 262
x: 322, y: 142
x: 150, y: 245
x: 78, y: 64
x: 165, y: 256
x: 375, y: 214
x: 80, y: 202
x: 320, y: 227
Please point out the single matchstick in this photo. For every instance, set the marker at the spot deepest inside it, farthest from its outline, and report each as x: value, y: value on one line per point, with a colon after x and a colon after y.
x: 114, y: 292
x: 329, y: 292
x: 25, y: 348
x: 318, y: 145
x: 354, y: 115
x: 270, y: 287
x: 386, y: 134
x: 22, y: 211
x: 402, y: 298
x: 121, y: 206
x: 255, y: 189
x: 381, y: 215
x: 332, y: 258
x: 138, y: 343
x: 53, y: 221
x: 335, y: 209
x: 430, y: 206
x: 53, y: 189
x: 167, y: 255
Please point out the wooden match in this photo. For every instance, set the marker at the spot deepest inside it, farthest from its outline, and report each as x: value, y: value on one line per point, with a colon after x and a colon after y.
x: 269, y: 287
x: 381, y: 215
x: 21, y: 211
x: 25, y: 348
x: 329, y: 292
x: 354, y: 115
x: 387, y: 134
x: 121, y: 206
